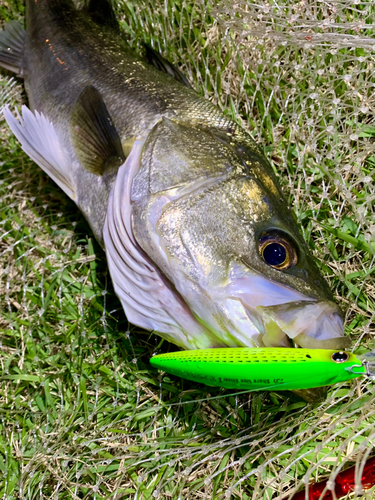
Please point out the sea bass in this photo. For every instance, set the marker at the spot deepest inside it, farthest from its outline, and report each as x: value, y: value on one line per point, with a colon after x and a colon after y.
x: 201, y: 245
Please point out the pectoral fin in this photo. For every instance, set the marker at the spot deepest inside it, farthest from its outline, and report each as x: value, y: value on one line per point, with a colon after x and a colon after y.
x: 12, y: 41
x: 95, y: 139
x: 160, y: 63
x: 40, y: 142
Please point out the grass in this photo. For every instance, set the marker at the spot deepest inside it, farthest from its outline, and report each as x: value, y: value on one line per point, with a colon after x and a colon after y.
x: 82, y: 413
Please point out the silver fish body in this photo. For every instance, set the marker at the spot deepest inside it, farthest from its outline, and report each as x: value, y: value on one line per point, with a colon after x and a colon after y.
x: 191, y: 216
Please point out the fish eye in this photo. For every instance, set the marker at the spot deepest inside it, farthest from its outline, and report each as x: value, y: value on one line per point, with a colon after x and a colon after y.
x: 277, y: 250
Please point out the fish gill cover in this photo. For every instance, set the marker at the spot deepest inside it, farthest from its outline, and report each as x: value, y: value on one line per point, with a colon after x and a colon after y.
x: 82, y: 414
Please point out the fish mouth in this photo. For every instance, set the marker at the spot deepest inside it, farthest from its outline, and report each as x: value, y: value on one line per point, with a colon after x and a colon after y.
x: 307, y: 324
x: 304, y: 323
x: 257, y: 312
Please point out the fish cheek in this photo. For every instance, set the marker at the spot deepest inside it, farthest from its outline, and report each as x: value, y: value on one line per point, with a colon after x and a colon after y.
x: 205, y: 231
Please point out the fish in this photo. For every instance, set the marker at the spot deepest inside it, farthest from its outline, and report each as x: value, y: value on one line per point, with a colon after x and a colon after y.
x: 201, y: 245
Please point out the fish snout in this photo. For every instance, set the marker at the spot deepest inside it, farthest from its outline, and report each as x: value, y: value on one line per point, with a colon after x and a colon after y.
x: 308, y: 324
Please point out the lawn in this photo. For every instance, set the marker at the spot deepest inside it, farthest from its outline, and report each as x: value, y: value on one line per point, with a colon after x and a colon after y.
x: 82, y: 412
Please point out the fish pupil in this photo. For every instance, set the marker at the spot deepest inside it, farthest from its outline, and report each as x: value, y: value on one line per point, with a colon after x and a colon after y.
x: 274, y: 254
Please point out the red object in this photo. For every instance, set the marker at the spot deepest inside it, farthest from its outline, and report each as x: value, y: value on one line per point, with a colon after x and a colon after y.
x: 344, y: 484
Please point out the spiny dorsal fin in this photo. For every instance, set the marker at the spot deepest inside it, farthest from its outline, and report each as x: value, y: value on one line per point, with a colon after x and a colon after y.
x: 101, y: 12
x: 160, y: 63
x: 96, y: 141
x: 12, y: 41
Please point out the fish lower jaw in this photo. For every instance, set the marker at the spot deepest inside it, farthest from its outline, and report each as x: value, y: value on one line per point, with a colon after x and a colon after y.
x: 275, y: 337
x: 310, y: 325
x: 307, y: 342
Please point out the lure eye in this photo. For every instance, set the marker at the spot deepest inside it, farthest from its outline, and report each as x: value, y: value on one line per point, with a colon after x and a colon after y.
x: 340, y: 357
x: 277, y: 251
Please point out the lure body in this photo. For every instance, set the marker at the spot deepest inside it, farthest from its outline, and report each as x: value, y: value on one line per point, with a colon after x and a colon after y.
x: 264, y: 369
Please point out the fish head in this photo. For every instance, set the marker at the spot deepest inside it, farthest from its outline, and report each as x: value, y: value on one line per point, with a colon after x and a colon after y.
x: 210, y: 215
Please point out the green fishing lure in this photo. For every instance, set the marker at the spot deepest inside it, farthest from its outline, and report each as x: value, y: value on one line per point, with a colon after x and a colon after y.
x: 266, y: 369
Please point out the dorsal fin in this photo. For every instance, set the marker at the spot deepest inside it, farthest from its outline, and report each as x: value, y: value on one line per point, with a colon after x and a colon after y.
x: 160, y: 63
x: 12, y: 41
x: 102, y: 13
x: 95, y: 139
